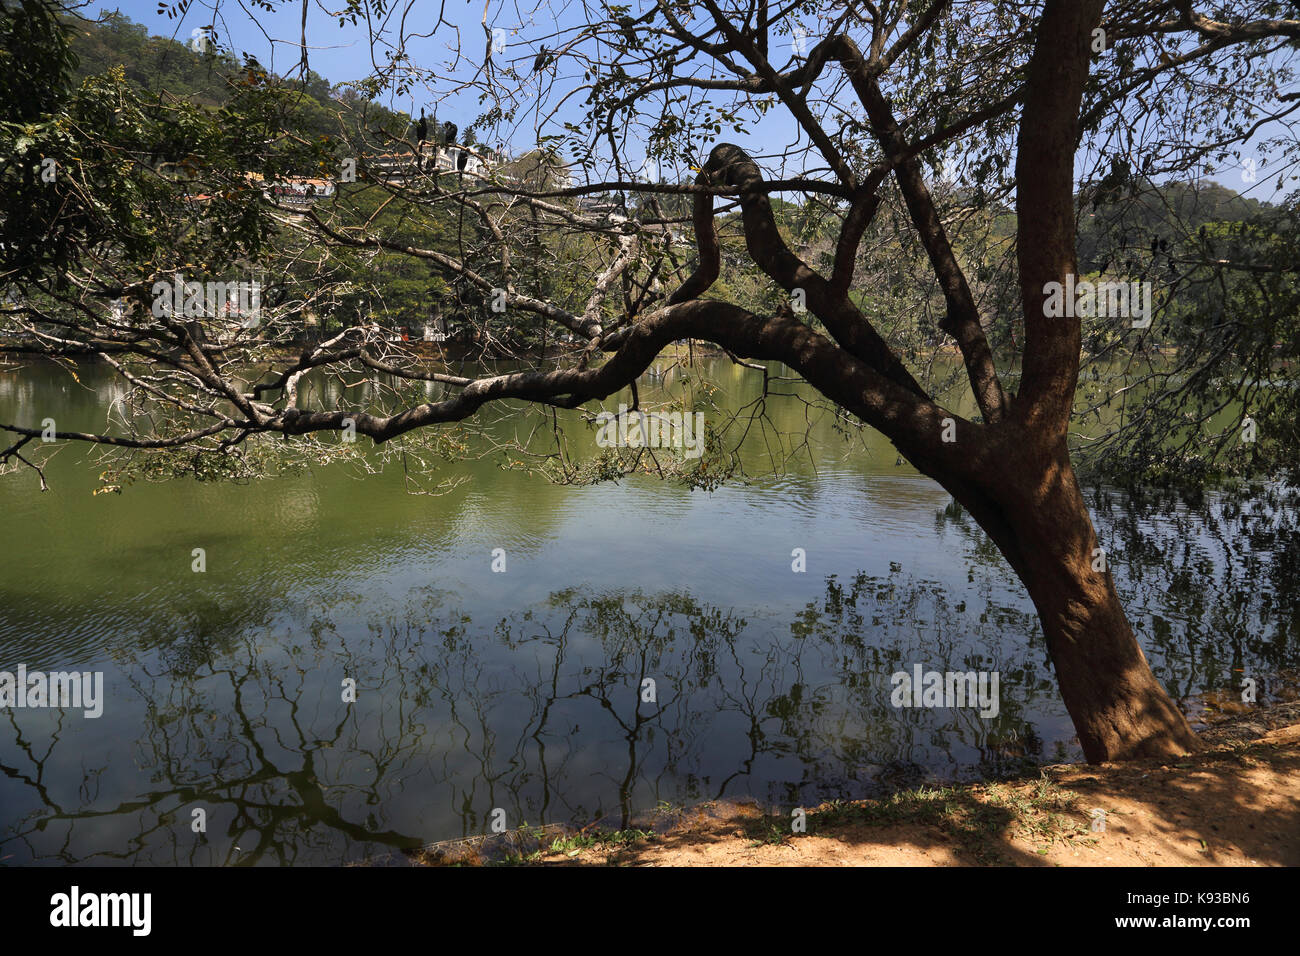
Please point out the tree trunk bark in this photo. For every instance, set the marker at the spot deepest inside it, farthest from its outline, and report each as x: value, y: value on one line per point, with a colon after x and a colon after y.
x: 1119, y: 709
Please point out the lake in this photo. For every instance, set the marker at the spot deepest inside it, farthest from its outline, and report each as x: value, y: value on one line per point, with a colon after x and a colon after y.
x: 524, y: 691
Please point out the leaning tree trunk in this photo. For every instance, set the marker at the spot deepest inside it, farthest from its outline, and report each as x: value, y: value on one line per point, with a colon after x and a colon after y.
x: 1118, y: 707
x: 1041, y: 523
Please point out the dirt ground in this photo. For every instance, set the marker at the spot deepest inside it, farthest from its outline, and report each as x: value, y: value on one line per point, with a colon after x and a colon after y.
x: 1235, y: 804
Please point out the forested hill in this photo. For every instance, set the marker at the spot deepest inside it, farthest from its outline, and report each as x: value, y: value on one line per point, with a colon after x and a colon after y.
x: 156, y: 64
x: 1171, y: 213
x: 161, y: 65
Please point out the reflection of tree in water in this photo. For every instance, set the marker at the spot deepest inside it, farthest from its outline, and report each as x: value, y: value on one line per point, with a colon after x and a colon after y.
x: 237, y: 735
x: 540, y: 712
x: 541, y: 715
x: 871, y: 627
x: 1211, y: 582
x: 786, y: 712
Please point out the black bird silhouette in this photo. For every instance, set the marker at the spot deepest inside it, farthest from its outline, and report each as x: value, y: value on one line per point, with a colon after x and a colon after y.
x: 421, y: 134
x: 1155, y: 245
x: 542, y: 59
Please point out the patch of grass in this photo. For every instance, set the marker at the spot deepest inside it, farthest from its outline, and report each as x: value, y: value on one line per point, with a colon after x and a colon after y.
x: 576, y: 843
x: 1045, y: 815
x: 571, y: 845
x: 766, y: 831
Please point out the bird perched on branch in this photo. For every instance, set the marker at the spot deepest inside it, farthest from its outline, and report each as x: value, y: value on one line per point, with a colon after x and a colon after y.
x: 421, y: 134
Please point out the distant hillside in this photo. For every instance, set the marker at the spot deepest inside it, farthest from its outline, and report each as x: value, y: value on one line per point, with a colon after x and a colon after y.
x: 155, y: 64
x: 1170, y: 212
x: 164, y: 67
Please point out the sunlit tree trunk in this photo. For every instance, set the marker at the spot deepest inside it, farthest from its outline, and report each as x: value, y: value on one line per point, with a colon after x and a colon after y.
x: 1040, y: 521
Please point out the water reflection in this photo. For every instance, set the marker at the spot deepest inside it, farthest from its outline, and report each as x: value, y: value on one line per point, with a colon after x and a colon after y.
x: 541, y: 712
x: 523, y: 691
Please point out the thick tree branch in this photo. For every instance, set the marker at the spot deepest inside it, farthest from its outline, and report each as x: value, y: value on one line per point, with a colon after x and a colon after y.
x: 846, y: 323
